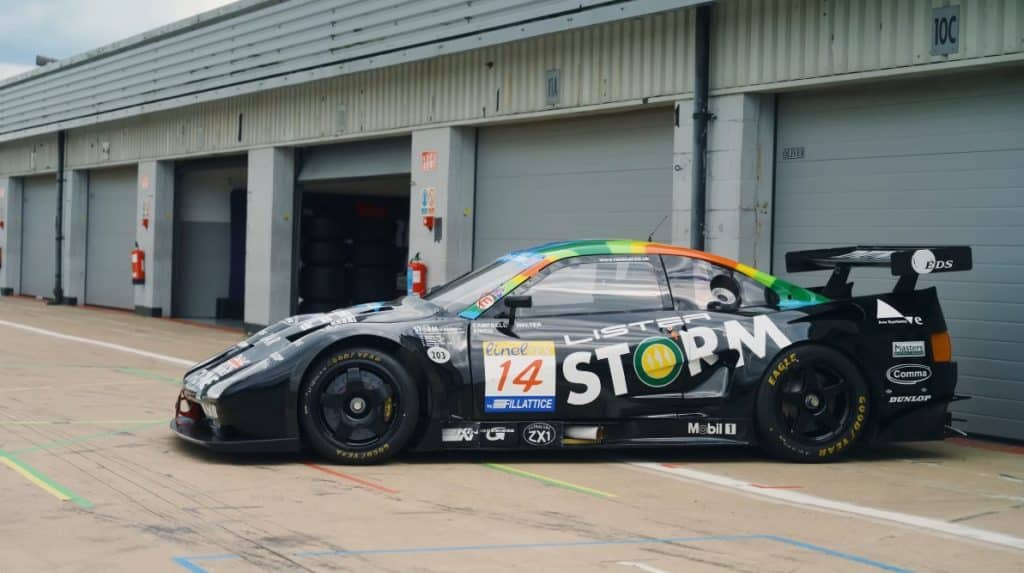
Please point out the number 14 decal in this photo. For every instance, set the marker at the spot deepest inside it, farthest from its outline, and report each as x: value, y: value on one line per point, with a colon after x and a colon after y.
x: 528, y: 377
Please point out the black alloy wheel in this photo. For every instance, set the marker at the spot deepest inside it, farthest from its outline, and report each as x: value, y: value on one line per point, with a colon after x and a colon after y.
x: 812, y: 405
x: 360, y: 406
x: 815, y: 403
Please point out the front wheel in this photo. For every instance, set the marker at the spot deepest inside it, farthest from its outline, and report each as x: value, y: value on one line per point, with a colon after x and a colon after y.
x: 812, y: 405
x: 360, y: 406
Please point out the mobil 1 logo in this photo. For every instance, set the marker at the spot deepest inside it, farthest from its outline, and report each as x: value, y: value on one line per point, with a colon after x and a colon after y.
x: 729, y: 429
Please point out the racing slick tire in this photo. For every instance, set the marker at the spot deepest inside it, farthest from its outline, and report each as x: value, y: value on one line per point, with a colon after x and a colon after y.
x: 812, y: 405
x: 324, y: 253
x: 360, y: 406
x: 322, y: 284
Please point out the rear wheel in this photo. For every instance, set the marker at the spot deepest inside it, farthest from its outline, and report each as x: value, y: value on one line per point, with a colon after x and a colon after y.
x: 812, y: 405
x: 359, y: 407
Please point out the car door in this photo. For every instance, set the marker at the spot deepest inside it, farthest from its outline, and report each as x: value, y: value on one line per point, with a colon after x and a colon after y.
x: 594, y: 345
x: 729, y: 327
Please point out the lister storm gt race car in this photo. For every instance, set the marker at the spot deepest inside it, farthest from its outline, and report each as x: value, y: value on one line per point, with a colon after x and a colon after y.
x: 597, y: 344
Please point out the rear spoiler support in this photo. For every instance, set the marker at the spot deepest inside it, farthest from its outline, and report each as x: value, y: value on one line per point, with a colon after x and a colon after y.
x: 906, y: 262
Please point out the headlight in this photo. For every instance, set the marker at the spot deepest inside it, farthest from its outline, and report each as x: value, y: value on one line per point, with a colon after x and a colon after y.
x: 210, y: 410
x: 198, y: 380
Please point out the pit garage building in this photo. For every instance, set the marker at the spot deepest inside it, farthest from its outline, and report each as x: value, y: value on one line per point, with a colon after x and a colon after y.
x: 275, y: 156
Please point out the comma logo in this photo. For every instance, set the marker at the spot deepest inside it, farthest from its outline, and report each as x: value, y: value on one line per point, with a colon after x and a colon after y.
x: 908, y: 374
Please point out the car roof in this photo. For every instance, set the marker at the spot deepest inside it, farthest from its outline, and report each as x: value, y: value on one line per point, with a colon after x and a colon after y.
x: 564, y: 249
x: 537, y: 258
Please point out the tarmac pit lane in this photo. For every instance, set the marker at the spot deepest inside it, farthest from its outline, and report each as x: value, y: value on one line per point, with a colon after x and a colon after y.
x: 91, y: 479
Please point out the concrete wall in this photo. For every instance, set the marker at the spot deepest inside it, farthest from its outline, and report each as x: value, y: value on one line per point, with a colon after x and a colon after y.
x: 155, y: 199
x: 740, y: 171
x: 10, y: 235
x: 270, y: 217
x: 449, y: 253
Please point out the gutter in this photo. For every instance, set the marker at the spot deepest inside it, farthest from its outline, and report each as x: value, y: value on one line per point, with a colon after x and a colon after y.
x: 701, y: 118
x: 58, y: 279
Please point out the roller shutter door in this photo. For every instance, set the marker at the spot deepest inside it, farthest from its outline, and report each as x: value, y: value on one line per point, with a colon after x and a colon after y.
x: 930, y: 162
x: 110, y: 238
x: 594, y: 177
x: 38, y: 239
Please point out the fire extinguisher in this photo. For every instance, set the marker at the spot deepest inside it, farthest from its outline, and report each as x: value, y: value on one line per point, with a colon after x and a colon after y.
x: 416, y: 279
x: 138, y: 266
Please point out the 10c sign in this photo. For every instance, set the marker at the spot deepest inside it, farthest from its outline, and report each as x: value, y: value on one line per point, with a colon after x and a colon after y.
x: 946, y: 30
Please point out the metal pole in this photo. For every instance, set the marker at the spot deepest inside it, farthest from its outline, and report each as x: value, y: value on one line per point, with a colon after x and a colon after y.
x: 58, y: 289
x: 701, y: 117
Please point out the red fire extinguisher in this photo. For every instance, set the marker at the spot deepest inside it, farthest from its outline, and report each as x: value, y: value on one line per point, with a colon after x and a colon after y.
x: 138, y: 266
x: 416, y: 279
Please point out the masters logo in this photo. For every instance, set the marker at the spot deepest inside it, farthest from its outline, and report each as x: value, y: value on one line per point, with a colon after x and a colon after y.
x: 657, y: 361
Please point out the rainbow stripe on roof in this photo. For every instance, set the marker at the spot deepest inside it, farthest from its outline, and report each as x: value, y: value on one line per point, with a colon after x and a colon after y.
x: 537, y: 258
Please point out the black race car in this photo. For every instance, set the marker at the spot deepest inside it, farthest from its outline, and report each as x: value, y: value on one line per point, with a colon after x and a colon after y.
x: 597, y: 344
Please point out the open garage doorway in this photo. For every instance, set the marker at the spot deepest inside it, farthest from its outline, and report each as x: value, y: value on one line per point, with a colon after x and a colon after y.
x: 353, y: 243
x: 209, y: 241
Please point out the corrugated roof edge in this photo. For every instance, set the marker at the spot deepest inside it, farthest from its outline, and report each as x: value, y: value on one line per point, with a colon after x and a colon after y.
x: 187, y: 24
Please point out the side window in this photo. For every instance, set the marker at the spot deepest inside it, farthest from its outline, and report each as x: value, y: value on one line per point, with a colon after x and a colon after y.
x: 593, y: 287
x: 696, y: 284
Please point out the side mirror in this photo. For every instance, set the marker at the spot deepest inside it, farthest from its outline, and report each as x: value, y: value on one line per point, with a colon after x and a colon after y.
x: 514, y: 302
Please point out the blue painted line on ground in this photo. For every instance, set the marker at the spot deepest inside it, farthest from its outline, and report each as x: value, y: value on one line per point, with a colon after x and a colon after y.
x: 189, y: 562
x: 840, y: 554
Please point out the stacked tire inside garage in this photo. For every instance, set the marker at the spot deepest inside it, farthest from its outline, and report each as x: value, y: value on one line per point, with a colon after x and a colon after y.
x: 322, y: 281
x: 377, y: 259
x: 354, y: 250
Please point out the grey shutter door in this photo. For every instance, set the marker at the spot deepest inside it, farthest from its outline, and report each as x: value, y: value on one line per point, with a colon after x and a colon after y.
x: 110, y: 238
x: 607, y: 176
x: 930, y: 162
x: 202, y: 242
x: 39, y: 235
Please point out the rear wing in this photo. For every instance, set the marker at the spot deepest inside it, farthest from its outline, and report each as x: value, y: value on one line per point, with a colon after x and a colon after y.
x: 906, y: 262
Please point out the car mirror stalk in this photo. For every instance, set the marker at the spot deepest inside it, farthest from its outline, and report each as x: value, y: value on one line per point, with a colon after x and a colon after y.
x: 516, y: 302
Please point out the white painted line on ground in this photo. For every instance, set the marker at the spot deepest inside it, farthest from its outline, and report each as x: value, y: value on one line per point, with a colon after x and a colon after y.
x: 641, y: 566
x: 791, y: 497
x: 100, y: 343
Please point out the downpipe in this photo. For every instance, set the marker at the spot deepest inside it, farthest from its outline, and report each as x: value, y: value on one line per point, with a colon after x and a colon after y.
x: 701, y: 119
x: 58, y: 288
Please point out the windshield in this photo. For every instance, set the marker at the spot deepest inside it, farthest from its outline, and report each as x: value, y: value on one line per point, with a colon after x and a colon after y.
x: 462, y: 292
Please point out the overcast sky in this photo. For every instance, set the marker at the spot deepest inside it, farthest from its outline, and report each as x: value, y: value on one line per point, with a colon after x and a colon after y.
x: 63, y: 28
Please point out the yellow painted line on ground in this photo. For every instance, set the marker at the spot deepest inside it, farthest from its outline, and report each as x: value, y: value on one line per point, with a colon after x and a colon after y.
x: 550, y: 480
x: 41, y: 481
